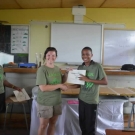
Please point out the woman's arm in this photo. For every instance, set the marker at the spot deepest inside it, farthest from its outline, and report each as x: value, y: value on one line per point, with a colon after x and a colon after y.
x: 53, y: 87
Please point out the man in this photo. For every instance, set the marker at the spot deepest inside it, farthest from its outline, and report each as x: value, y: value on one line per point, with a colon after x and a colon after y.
x: 4, y: 82
x: 89, y: 93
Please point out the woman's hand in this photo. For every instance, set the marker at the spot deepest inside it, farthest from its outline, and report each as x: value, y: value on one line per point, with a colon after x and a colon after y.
x: 63, y: 87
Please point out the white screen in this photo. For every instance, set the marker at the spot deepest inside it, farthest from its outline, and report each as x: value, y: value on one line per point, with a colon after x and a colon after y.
x: 119, y: 47
x: 70, y: 39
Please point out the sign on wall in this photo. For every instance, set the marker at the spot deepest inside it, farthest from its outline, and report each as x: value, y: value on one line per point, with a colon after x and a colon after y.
x: 19, y: 39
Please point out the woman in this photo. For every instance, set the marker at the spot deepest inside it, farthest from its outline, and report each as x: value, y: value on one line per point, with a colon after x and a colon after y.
x: 49, y: 80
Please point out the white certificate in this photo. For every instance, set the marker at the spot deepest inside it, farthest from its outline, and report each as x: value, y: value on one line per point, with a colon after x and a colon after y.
x: 22, y: 95
x: 73, y: 76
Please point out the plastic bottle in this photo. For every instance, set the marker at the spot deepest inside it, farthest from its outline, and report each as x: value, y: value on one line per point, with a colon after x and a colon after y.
x: 40, y: 59
x: 36, y: 59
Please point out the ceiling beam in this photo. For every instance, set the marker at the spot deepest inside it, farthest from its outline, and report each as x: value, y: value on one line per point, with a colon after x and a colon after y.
x: 18, y: 4
x: 102, y: 3
x: 61, y: 4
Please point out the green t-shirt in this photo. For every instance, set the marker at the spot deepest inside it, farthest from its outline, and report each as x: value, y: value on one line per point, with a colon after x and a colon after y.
x: 89, y: 92
x: 2, y: 78
x: 49, y: 76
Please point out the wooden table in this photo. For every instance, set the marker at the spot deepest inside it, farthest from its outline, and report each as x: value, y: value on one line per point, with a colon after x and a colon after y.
x: 119, y: 132
x: 105, y: 91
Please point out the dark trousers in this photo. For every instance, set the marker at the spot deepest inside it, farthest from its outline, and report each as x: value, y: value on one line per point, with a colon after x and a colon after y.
x: 2, y: 103
x: 87, y: 117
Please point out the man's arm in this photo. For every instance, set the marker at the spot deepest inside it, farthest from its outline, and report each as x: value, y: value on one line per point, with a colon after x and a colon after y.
x: 52, y: 87
x: 7, y: 84
x: 64, y: 77
x: 103, y: 81
x: 73, y: 86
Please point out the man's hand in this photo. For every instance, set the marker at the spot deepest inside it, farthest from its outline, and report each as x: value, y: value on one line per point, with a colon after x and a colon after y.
x: 7, y: 84
x: 17, y: 88
x: 84, y: 78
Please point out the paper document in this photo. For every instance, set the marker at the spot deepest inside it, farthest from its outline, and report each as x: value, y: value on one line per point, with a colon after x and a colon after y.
x: 73, y: 76
x: 14, y: 99
x: 22, y: 95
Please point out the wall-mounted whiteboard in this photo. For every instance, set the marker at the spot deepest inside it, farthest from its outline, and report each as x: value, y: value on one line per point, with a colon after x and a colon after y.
x: 119, y: 47
x: 70, y: 39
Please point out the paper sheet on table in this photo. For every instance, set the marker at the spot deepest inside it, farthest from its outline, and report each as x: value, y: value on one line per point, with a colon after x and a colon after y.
x: 14, y: 99
x: 73, y: 76
x: 21, y: 96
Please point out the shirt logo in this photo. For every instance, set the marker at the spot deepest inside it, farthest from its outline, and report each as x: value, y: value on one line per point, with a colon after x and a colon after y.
x: 89, y: 84
x: 55, y: 81
x: 55, y: 78
x: 90, y: 74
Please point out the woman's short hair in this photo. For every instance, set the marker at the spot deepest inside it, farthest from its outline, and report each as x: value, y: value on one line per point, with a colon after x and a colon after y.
x: 49, y: 49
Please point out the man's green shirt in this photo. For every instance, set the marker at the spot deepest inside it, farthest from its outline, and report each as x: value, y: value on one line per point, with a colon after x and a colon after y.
x: 89, y: 92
